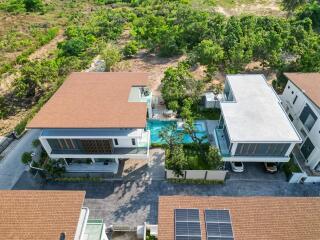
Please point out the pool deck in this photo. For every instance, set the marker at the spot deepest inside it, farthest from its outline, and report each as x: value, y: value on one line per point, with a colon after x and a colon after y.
x: 211, y: 126
x: 201, y: 129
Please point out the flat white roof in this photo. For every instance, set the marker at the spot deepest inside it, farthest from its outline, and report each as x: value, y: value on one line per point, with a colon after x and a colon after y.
x: 256, y: 114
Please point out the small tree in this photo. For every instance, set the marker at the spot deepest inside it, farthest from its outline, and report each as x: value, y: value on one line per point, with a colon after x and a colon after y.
x: 111, y: 55
x: 186, y: 111
x: 191, y: 131
x: 54, y: 168
x: 176, y: 160
x: 171, y: 137
x: 209, y: 53
x: 26, y: 158
x: 130, y: 49
x: 214, y: 159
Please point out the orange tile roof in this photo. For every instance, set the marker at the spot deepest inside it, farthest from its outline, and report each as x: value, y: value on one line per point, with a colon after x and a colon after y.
x: 94, y: 100
x: 309, y: 84
x: 39, y: 215
x: 263, y: 218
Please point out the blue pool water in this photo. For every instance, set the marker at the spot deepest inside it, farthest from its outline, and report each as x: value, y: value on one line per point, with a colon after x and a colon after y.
x: 155, y: 126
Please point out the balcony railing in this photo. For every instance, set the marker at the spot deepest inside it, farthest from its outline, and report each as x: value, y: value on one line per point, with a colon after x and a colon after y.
x: 222, y: 142
x: 116, y: 151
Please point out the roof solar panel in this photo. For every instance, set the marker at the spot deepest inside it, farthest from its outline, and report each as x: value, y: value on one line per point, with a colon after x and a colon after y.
x: 218, y: 225
x: 187, y: 224
x: 217, y: 215
x: 188, y: 215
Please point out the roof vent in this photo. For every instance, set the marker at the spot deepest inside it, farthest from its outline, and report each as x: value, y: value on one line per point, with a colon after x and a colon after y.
x: 62, y: 236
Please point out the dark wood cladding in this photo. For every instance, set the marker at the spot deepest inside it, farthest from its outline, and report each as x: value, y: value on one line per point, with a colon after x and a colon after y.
x: 97, y: 146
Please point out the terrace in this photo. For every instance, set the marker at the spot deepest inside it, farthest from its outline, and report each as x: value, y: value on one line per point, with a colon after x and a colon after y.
x: 120, y: 151
x: 222, y: 143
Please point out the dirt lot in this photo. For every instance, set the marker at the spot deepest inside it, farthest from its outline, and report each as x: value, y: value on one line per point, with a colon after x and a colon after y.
x: 255, y: 7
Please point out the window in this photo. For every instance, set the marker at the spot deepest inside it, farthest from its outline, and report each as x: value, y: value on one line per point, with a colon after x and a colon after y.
x: 288, y: 87
x: 307, y: 148
x: 309, y: 122
x: 116, y: 142
x: 303, y: 133
x: 133, y: 141
x: 290, y: 116
x: 295, y: 99
x: 262, y: 149
x: 292, y: 92
x: 308, y: 117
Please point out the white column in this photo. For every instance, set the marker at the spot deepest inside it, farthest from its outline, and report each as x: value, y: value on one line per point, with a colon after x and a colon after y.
x: 65, y: 161
x: 233, y: 149
x: 290, y: 149
x: 45, y: 145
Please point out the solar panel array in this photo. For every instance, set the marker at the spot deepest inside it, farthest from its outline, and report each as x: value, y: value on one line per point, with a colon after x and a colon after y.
x: 187, y: 224
x: 218, y: 225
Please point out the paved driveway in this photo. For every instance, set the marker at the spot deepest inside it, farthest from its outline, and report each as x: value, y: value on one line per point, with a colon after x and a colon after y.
x: 255, y: 172
x: 11, y: 167
x: 134, y: 202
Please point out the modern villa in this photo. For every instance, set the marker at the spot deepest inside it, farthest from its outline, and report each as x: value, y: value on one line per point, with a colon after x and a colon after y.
x: 301, y: 100
x: 96, y: 119
x: 50, y: 215
x: 253, y: 126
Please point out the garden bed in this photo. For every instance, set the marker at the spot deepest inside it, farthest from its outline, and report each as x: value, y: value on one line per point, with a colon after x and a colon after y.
x: 291, y: 167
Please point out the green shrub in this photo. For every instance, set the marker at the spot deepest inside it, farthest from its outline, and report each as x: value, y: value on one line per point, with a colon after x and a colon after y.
x: 130, y: 49
x: 20, y: 6
x: 158, y: 145
x: 111, y: 55
x: 35, y: 143
x: 26, y: 158
x: 290, y: 167
x: 195, y: 181
x: 149, y: 237
x: 78, y: 179
x: 4, y: 109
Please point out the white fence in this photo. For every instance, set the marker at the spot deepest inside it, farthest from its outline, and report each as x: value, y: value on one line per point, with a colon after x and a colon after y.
x: 303, y: 178
x: 217, y: 175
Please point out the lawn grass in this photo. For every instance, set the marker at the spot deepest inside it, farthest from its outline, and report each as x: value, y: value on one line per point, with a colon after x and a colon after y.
x: 206, y: 114
x: 192, y: 154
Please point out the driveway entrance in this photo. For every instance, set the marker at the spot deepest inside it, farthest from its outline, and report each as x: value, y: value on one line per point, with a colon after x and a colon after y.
x: 255, y: 172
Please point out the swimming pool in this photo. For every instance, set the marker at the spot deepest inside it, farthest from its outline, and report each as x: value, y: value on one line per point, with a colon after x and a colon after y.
x: 156, y: 126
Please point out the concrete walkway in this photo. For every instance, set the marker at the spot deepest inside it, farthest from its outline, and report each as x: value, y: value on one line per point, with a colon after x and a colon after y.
x: 11, y: 167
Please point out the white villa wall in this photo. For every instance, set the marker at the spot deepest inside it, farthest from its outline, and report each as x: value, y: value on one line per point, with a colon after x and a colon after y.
x: 123, y: 142
x: 217, y: 175
x: 295, y: 110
